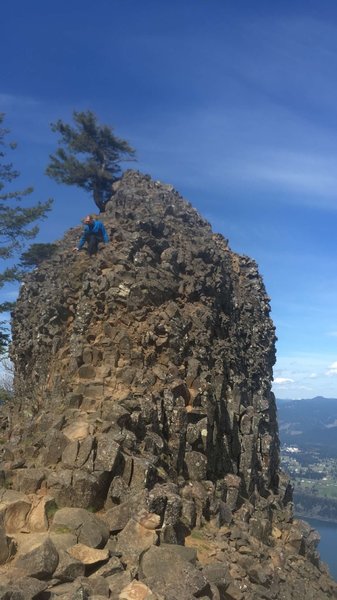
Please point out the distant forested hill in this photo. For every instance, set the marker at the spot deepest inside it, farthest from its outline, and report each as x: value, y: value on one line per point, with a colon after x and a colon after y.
x: 311, y: 422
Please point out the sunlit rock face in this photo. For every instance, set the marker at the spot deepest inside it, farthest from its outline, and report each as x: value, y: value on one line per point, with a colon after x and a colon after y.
x: 164, y: 338
x: 143, y: 394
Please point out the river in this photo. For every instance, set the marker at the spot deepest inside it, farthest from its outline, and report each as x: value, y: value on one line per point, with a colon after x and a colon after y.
x: 328, y: 544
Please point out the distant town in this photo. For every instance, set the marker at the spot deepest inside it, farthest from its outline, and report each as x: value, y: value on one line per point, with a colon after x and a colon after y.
x: 315, y: 482
x: 309, y: 455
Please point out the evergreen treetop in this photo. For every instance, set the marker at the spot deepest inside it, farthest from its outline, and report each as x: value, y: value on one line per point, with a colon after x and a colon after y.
x: 89, y: 156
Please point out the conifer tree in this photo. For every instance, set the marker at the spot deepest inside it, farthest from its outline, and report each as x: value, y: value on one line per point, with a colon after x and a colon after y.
x: 89, y: 156
x: 36, y: 255
x: 17, y: 222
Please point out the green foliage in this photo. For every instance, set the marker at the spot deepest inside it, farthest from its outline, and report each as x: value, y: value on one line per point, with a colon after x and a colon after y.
x: 92, y: 509
x: 17, y: 222
x: 62, y: 529
x: 51, y: 510
x: 36, y: 254
x: 89, y: 156
x: 315, y: 506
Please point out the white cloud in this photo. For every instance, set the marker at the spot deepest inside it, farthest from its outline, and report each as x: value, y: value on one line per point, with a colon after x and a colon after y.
x: 283, y: 380
x: 305, y: 375
x: 332, y: 370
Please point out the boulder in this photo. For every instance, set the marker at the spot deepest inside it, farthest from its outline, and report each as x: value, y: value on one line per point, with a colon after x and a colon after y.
x: 88, y: 555
x: 77, y: 429
x: 217, y: 575
x: 28, y: 481
x: 118, y: 582
x: 7, y: 546
x: 57, y: 441
x: 78, y: 453
x: 148, y: 519
x: 133, y: 540
x: 143, y: 474
x: 69, y: 567
x: 184, y: 552
x: 136, y: 590
x: 41, y: 513
x: 165, y: 569
x: 165, y: 501
x: 40, y: 561
x: 99, y: 586
x: 113, y: 566
x: 63, y: 540
x: 14, y: 508
x: 88, y: 528
x: 108, y: 454
x: 118, y: 516
x: 74, y: 590
x: 22, y: 588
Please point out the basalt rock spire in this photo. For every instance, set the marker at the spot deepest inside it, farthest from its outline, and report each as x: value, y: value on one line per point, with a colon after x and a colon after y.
x: 143, y: 381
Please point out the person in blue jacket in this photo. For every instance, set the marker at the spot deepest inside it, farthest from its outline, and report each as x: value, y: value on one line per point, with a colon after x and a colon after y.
x: 93, y: 233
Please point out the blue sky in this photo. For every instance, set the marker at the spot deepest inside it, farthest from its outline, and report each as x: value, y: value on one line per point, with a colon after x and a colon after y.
x: 234, y: 103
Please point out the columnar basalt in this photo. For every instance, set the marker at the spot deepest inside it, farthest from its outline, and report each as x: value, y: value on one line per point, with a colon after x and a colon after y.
x: 143, y: 390
x: 167, y: 327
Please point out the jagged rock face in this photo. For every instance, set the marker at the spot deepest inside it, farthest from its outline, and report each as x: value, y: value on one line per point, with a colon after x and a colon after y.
x: 143, y: 392
x: 165, y: 333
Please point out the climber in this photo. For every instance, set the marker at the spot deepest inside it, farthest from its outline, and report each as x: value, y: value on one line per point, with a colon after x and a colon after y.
x: 93, y: 233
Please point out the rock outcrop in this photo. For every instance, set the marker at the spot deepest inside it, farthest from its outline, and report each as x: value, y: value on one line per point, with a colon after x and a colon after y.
x: 143, y: 393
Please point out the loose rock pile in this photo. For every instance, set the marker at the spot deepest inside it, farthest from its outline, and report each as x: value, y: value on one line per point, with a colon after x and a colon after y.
x: 141, y: 458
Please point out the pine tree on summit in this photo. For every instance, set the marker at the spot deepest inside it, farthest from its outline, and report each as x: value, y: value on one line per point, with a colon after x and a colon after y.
x: 89, y: 156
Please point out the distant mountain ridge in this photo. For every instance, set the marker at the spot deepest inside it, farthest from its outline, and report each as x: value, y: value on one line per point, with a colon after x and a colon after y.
x: 315, y: 399
x: 310, y: 421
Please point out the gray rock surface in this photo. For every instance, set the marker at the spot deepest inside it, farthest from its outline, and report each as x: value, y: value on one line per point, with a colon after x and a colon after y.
x: 143, y: 394
x: 40, y: 562
x: 87, y: 528
x: 166, y: 571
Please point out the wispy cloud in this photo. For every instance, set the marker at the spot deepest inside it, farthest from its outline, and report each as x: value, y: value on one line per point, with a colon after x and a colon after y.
x: 332, y: 370
x: 305, y: 373
x: 276, y: 137
x: 12, y: 102
x: 265, y: 149
x: 297, y: 172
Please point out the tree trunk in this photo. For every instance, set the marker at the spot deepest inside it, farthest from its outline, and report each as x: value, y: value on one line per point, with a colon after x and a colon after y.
x: 99, y: 200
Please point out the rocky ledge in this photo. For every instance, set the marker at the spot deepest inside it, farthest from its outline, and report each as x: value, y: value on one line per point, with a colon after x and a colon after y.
x: 140, y: 459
